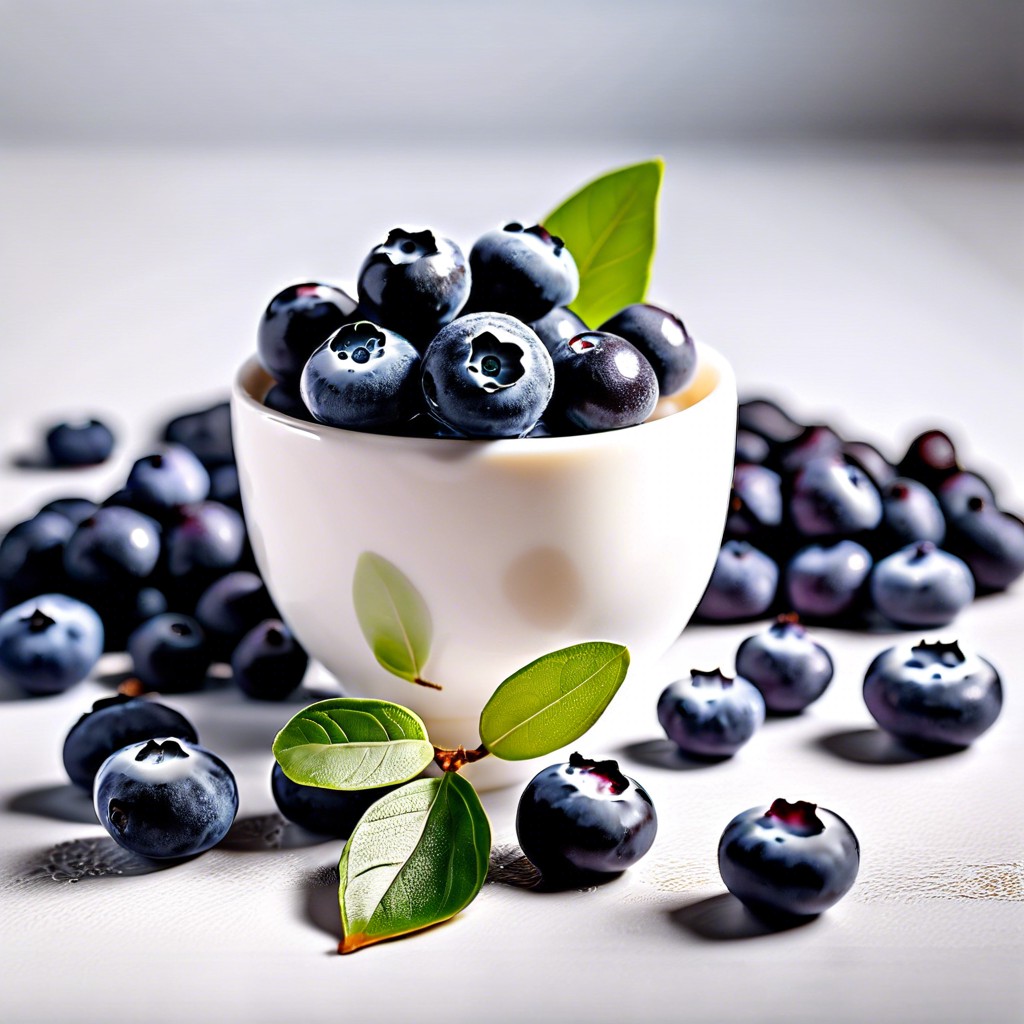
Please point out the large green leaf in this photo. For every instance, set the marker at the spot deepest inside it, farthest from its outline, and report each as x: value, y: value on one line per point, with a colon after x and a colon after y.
x: 393, y: 616
x: 351, y: 743
x: 611, y: 227
x: 418, y: 856
x: 552, y: 701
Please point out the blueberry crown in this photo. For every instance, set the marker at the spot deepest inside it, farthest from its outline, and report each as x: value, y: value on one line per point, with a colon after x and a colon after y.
x: 936, y: 653
x: 402, y: 246
x: 712, y: 677
x: 800, y: 816
x: 606, y: 770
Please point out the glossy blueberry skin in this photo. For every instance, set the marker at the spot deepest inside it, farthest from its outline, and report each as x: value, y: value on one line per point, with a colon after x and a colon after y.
x: 296, y: 323
x: 72, y: 509
x: 602, y: 383
x: 584, y: 820
x: 49, y: 643
x: 82, y: 443
x: 789, y: 668
x: 920, y: 585
x: 123, y: 609
x: 557, y: 328
x: 487, y: 375
x: 224, y: 486
x: 283, y: 399
x: 710, y: 715
x: 960, y: 490
x: 789, y: 861
x: 930, y: 458
x: 933, y: 694
x: 327, y: 812
x: 814, y: 442
x: 663, y: 341
x: 768, y: 419
x: 742, y: 585
x: 751, y: 448
x: 167, y: 479
x: 990, y: 541
x: 230, y: 607
x: 871, y: 461
x: 756, y: 501
x: 32, y: 554
x: 414, y: 282
x: 910, y: 512
x: 165, y: 798
x: 268, y: 663
x: 113, y: 723
x: 205, y: 432
x: 831, y: 498
x: 115, y: 545
x: 362, y: 377
x: 825, y: 581
x: 208, y: 539
x: 522, y: 271
x: 169, y: 653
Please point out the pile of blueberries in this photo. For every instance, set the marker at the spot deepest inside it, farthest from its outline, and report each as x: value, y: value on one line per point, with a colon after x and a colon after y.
x: 833, y: 530
x: 441, y: 346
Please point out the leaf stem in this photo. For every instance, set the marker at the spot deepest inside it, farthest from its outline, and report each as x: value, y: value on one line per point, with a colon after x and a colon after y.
x: 426, y: 682
x: 453, y: 760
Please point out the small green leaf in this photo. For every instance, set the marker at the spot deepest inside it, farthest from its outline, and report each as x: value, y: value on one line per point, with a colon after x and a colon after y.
x: 418, y: 856
x: 351, y: 743
x: 611, y: 226
x: 552, y: 701
x: 393, y: 616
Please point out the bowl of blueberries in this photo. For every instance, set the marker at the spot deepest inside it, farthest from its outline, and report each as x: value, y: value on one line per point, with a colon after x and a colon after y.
x: 531, y: 481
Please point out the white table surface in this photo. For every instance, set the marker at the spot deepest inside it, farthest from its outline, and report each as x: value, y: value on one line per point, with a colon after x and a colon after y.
x: 882, y: 291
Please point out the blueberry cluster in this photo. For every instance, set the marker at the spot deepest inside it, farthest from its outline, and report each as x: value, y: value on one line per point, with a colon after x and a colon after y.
x: 836, y: 532
x: 162, y: 568
x: 438, y: 345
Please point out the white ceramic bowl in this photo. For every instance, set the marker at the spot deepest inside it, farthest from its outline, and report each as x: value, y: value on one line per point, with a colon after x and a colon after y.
x: 518, y: 547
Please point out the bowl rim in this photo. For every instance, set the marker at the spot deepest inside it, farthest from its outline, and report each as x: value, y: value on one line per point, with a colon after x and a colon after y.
x: 724, y: 380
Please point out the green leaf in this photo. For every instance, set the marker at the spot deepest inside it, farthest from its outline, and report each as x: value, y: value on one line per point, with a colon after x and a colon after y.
x: 351, y: 743
x: 552, y: 701
x: 610, y: 226
x: 392, y: 615
x: 418, y: 856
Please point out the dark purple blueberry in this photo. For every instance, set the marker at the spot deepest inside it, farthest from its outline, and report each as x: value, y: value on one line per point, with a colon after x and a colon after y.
x: 205, y: 432
x: 115, y: 545
x: 487, y: 375
x: 584, y: 820
x: 123, y: 608
x: 751, y: 448
x: 296, y: 323
x: 602, y: 383
x: 790, y: 861
x: 919, y: 585
x: 990, y: 541
x: 327, y: 812
x: 72, y: 509
x: 282, y: 399
x: 49, y: 643
x: 169, y: 653
x: 756, y: 501
x: 931, y: 458
x: 79, y: 443
x: 662, y: 339
x: 742, y: 585
x: 165, y: 798
x: 789, y: 668
x: 32, y: 554
x: 868, y: 458
x: 113, y: 723
x: 831, y: 498
x: 933, y: 694
x: 710, y: 715
x: 414, y: 282
x: 230, y: 607
x: 363, y: 377
x: 208, y: 539
x: 910, y: 512
x: 960, y: 488
x: 224, y: 486
x: 813, y: 442
x: 558, y: 327
x: 522, y: 271
x: 268, y: 663
x: 828, y: 581
x: 769, y: 420
x: 167, y: 479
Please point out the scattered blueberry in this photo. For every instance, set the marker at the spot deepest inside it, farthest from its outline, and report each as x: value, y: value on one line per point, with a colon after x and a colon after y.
x: 205, y: 432
x: 919, y: 585
x: 768, y: 419
x: 990, y: 541
x: 114, y: 545
x: 742, y: 584
x: 268, y: 663
x: 327, y: 812
x: 72, y: 509
x: 207, y: 540
x: 870, y: 460
x: 960, y: 488
x: 662, y: 339
x: 169, y: 653
x: 81, y: 443
x: 230, y: 607
x: 751, y: 448
x: 828, y: 581
x: 931, y: 458
x: 910, y: 512
x: 832, y: 497
x: 558, y: 327
x: 167, y: 479
x: 755, y: 505
x: 32, y: 554
x: 813, y: 442
x: 224, y: 485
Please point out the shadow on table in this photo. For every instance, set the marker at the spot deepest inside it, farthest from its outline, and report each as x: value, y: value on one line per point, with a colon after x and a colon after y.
x: 91, y: 858
x: 664, y: 754
x: 875, y: 746
x: 320, y: 901
x: 264, y: 832
x: 63, y: 802
x: 724, y: 918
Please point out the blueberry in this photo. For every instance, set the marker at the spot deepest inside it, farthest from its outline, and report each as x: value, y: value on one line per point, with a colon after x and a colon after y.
x: 990, y: 541
x: 930, y: 458
x: 933, y: 694
x: 751, y: 448
x: 283, y: 399
x: 710, y: 715
x: 871, y: 461
x: 768, y: 419
x: 414, y: 282
x: 742, y: 585
x: 910, y: 512
x: 813, y: 442
x: 49, y: 643
x: 487, y: 375
x: 831, y: 498
x: 755, y: 505
x: 32, y: 554
x: 826, y: 581
x: 959, y: 489
x: 602, y: 383
x: 363, y: 376
x: 224, y: 485
x: 165, y: 798
x: 789, y: 668
x: 123, y: 609
x: 205, y: 432
x: 584, y: 820
x: 790, y: 861
x: 268, y: 663
x: 167, y: 479
x: 80, y: 443
x: 296, y: 323
x: 113, y: 723
x: 169, y: 653
x: 72, y: 509
x: 327, y: 812
x: 115, y: 545
x: 558, y: 327
x: 230, y: 607
x: 522, y: 271
x: 207, y: 540
x: 662, y: 339
x: 919, y: 585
